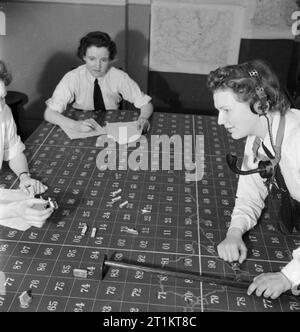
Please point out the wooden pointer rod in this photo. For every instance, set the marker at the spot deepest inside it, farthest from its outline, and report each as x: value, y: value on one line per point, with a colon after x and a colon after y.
x: 207, y: 278
x: 176, y: 274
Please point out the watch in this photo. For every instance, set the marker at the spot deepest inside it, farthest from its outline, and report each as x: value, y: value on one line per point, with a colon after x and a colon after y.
x: 24, y: 173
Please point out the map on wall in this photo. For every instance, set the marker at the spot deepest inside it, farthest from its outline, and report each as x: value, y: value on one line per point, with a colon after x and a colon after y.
x: 194, y: 38
x: 269, y: 19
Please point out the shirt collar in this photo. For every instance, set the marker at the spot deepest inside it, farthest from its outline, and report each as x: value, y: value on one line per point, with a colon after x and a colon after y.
x: 91, y: 78
x: 274, y: 128
x: 257, y: 146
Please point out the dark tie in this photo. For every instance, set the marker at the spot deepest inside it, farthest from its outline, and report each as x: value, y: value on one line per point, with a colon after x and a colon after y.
x: 98, y: 98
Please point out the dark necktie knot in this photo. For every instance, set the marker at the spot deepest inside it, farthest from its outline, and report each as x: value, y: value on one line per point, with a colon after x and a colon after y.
x: 98, y: 98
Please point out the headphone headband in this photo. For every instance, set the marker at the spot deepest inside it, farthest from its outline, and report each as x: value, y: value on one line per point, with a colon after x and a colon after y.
x: 260, y: 92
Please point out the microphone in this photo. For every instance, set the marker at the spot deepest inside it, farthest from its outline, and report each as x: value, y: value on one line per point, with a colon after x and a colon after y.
x: 265, y: 168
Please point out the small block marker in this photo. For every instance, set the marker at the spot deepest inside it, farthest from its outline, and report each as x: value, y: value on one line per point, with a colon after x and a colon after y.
x: 94, y: 230
x: 80, y: 273
x: 84, y: 229
x: 115, y: 193
x: 25, y: 299
x: 123, y: 204
x: 129, y: 230
x: 116, y: 199
x: 52, y: 203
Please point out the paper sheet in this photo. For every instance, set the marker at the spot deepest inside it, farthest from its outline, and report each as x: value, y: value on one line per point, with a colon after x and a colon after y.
x: 123, y: 132
x: 73, y: 134
x: 12, y: 195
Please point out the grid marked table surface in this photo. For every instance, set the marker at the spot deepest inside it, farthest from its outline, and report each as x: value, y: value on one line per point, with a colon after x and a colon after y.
x: 185, y: 225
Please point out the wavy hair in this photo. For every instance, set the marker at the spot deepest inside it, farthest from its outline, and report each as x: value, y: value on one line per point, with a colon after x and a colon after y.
x: 98, y: 39
x: 238, y: 79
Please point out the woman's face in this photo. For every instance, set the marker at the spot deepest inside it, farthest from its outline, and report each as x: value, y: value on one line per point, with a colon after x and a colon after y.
x: 2, y: 95
x: 97, y: 60
x: 235, y: 116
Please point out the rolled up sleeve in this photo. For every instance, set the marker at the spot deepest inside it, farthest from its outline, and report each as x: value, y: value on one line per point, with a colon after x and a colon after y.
x: 63, y: 94
x: 132, y: 92
x: 13, y: 145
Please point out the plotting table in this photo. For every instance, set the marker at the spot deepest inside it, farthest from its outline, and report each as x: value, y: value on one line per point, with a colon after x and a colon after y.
x: 185, y: 225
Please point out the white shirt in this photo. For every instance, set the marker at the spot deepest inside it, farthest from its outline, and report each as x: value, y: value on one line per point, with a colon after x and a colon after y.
x: 292, y: 269
x: 251, y: 191
x: 10, y: 143
x: 78, y: 86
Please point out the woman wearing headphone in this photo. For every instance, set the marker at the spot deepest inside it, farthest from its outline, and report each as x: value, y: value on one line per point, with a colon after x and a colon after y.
x: 251, y: 104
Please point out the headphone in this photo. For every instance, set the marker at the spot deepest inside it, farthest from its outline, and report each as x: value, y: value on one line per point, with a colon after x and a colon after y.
x: 262, y: 106
x: 266, y: 168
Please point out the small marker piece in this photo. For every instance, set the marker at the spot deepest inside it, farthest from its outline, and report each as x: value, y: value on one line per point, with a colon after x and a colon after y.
x: 2, y: 284
x: 129, y: 230
x: 116, y: 199
x: 115, y: 193
x: 123, y: 204
x: 84, y: 229
x: 94, y: 230
x: 25, y: 299
x: 52, y: 203
x: 80, y: 273
x: 145, y: 211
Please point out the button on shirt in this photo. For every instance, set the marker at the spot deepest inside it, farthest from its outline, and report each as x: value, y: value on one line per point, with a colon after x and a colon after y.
x: 78, y: 86
x: 251, y: 190
x: 10, y: 143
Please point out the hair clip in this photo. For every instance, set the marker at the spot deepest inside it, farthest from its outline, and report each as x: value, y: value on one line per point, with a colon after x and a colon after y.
x: 253, y: 72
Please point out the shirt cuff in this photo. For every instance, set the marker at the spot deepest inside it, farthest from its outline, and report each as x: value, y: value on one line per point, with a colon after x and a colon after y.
x: 14, y: 150
x: 241, y: 222
x: 142, y: 101
x: 292, y: 269
x: 55, y: 106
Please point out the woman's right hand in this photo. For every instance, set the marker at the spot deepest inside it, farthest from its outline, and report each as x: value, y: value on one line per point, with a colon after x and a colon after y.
x: 233, y: 247
x: 31, y: 210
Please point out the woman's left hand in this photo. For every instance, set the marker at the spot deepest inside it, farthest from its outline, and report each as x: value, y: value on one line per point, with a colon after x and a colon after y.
x: 143, y: 124
x: 31, y: 186
x: 271, y: 284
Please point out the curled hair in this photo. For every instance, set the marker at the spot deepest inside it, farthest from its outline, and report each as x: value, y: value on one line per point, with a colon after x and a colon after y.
x: 238, y: 79
x: 98, y: 39
x: 5, y: 75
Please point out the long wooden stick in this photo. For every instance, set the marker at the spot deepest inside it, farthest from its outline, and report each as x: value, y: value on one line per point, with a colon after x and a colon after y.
x: 208, y: 278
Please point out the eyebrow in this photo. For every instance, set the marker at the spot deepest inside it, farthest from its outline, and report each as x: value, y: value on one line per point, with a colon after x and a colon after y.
x: 102, y: 58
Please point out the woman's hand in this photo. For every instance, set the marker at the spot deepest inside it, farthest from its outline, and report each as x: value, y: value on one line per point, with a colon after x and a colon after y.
x: 233, y: 247
x: 143, y: 124
x: 271, y: 285
x: 31, y: 210
x: 31, y: 186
